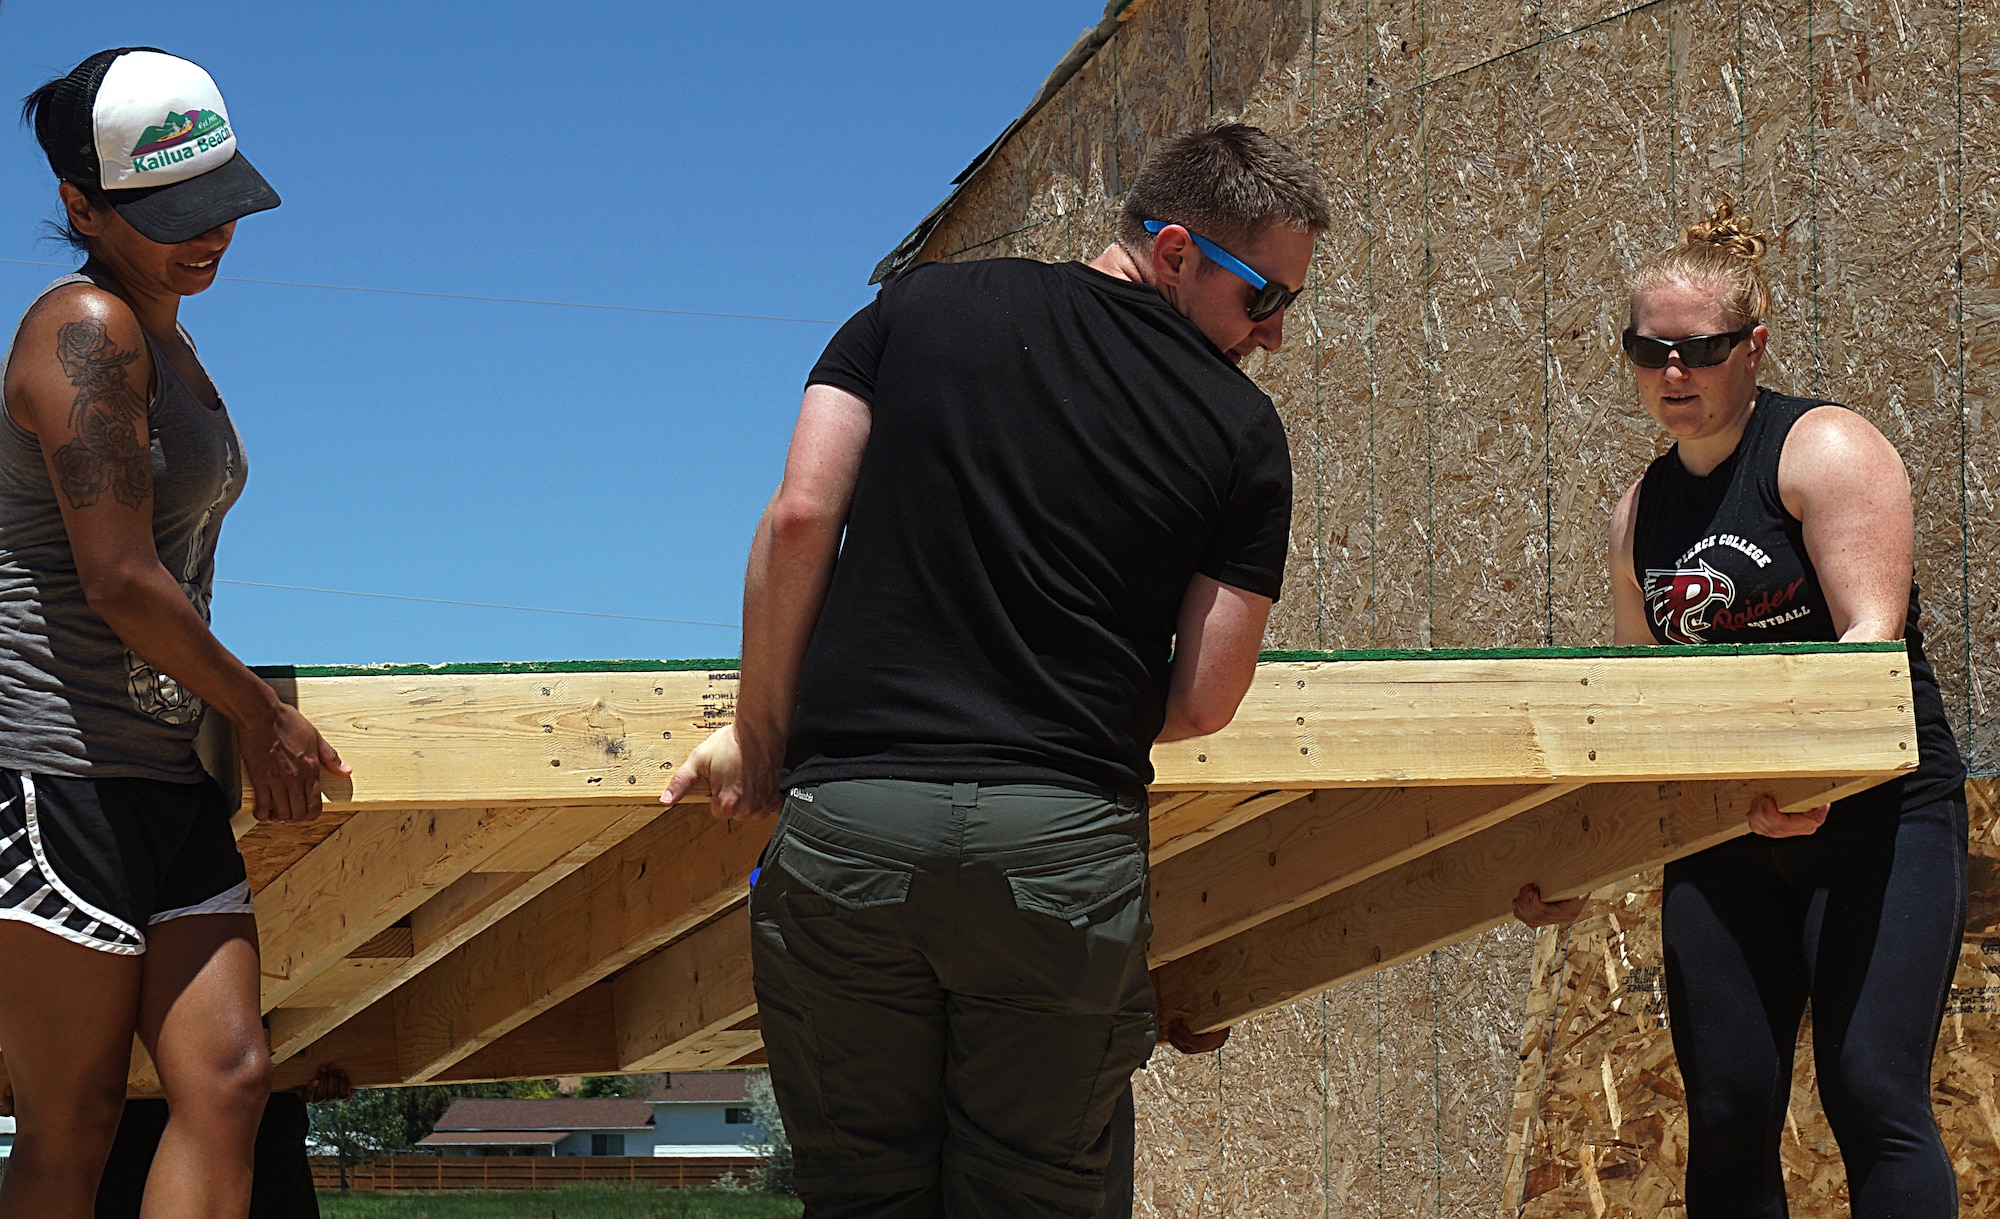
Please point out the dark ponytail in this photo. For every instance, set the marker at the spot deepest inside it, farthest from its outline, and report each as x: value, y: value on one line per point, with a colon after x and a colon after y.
x: 35, y: 113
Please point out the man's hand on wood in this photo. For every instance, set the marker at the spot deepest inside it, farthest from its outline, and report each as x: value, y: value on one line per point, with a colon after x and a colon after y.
x: 330, y: 1084
x: 1179, y: 1036
x: 740, y: 787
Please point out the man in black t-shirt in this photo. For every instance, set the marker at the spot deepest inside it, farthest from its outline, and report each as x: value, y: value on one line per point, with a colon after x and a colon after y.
x: 1033, y: 520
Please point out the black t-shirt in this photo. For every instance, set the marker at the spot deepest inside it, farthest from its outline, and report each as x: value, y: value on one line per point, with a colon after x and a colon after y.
x: 1053, y: 455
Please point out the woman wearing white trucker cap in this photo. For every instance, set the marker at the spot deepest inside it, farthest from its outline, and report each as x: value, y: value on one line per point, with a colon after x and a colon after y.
x: 124, y: 906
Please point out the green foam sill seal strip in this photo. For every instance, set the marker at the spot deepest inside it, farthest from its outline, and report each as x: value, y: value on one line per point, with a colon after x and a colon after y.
x: 729, y: 664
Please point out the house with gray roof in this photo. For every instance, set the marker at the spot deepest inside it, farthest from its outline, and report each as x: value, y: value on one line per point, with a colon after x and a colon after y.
x: 557, y: 1126
x: 689, y: 1115
x: 703, y: 1114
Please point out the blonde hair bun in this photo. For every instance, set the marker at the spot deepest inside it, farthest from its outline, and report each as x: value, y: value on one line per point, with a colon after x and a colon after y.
x: 1723, y: 251
x: 1733, y: 233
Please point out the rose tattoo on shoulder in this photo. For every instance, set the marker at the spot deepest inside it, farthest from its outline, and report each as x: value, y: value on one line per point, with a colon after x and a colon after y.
x: 111, y: 450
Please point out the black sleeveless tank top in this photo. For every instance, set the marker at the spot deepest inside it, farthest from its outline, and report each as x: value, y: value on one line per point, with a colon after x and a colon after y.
x: 1720, y: 561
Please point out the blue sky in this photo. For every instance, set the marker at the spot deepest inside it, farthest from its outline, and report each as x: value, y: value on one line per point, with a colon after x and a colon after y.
x: 734, y: 158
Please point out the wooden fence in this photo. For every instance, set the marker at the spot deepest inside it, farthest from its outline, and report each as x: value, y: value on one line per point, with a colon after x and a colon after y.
x: 383, y: 1174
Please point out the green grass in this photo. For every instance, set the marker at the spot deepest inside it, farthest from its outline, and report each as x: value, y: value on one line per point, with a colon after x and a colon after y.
x: 569, y: 1202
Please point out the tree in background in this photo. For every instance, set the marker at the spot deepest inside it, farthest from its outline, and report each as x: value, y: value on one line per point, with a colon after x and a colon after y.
x: 388, y: 1121
x: 636, y: 1087
x: 774, y: 1170
x: 367, y: 1123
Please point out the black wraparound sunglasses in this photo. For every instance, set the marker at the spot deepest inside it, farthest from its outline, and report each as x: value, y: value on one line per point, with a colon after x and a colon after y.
x: 1696, y: 351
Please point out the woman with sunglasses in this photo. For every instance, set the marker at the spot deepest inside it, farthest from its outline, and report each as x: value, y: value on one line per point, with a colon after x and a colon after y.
x: 1777, y: 519
x: 124, y: 904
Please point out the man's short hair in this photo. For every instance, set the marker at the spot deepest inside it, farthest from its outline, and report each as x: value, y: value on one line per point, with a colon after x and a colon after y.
x: 1227, y: 182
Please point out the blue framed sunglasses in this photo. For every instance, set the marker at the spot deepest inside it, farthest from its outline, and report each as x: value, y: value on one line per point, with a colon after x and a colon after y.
x: 1270, y: 297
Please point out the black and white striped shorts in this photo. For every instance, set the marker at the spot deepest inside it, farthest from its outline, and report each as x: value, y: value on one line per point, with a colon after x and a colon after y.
x: 97, y: 861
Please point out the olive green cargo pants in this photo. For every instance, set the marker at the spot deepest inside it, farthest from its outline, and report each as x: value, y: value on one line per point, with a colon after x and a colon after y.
x: 953, y: 994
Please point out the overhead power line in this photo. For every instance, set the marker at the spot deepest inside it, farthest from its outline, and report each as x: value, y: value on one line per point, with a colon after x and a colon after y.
x: 525, y: 609
x: 495, y: 300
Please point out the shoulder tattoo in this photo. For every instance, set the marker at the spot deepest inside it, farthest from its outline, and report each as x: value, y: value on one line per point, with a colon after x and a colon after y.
x: 112, y: 450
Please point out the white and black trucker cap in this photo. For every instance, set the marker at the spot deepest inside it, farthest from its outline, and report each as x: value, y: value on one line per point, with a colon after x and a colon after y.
x: 151, y: 130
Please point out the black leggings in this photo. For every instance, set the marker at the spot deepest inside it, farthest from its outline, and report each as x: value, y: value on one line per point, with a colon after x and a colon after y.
x: 1863, y: 918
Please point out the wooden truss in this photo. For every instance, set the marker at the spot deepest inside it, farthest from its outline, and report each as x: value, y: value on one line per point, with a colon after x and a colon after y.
x: 497, y: 892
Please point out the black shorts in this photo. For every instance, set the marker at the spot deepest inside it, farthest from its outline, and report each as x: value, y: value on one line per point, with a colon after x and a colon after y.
x: 97, y: 861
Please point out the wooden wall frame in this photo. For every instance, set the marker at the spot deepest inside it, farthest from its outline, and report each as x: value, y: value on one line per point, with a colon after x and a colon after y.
x: 496, y: 893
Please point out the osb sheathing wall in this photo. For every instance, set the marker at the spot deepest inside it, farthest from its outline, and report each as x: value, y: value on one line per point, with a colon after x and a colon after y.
x: 1600, y: 1111
x: 1461, y: 424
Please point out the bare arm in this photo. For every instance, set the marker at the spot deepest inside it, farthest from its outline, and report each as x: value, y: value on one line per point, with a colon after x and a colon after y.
x: 1846, y: 484
x: 791, y: 563
x: 82, y: 389
x: 1215, y: 657
x: 1216, y: 639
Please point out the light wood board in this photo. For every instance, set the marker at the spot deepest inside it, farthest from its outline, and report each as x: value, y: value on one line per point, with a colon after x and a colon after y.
x: 498, y: 893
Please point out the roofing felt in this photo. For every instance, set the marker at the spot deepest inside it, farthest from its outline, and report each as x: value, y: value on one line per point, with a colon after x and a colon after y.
x: 701, y: 1086
x: 1087, y: 45
x: 564, y: 1113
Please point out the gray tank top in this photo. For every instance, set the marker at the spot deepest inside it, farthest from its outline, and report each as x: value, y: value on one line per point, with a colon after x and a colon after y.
x: 73, y: 699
